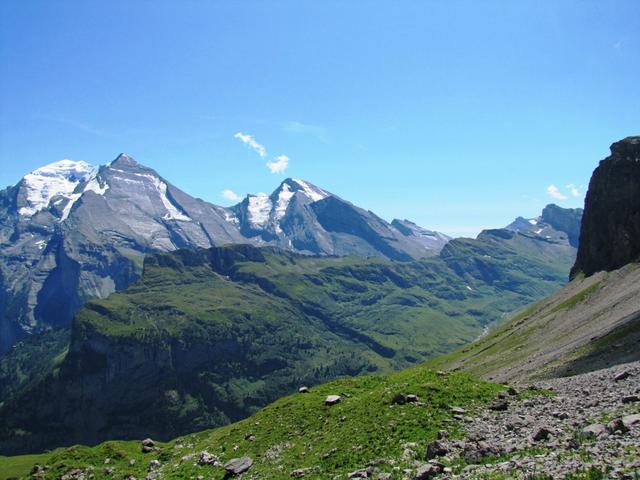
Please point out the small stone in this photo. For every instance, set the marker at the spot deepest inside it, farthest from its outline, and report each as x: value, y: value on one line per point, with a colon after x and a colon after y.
x: 499, y: 406
x: 436, y: 449
x: 622, y: 376
x: 617, y: 426
x: 154, y: 464
x: 512, y: 391
x: 332, y: 400
x: 458, y: 410
x: 441, y: 373
x: 236, y: 466
x: 303, y: 390
x: 301, y: 472
x: 503, y: 394
x: 541, y: 434
x: 412, y: 398
x: 630, y: 399
x: 442, y: 434
x: 206, y: 458
x: 359, y: 474
x: 399, y: 399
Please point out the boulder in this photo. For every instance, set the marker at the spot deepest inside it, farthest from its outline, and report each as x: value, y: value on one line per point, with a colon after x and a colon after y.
x: 303, y: 390
x: 622, y: 376
x: 207, y: 458
x: 236, y: 466
x: 617, y: 426
x: 499, y: 405
x: 436, y: 449
x: 429, y: 470
x: 631, y: 419
x: 594, y: 430
x: 332, y: 400
x: 543, y: 433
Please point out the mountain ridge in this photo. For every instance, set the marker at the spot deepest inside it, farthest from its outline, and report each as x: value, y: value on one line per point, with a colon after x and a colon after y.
x: 72, y: 231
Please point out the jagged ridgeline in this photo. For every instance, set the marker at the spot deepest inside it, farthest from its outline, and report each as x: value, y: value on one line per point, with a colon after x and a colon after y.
x: 208, y: 336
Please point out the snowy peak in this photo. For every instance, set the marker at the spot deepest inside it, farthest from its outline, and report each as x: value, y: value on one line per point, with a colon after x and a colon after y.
x: 312, y: 192
x: 58, y: 179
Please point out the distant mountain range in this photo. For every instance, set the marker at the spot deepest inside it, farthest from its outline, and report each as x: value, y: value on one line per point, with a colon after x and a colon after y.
x: 70, y: 232
x: 207, y: 336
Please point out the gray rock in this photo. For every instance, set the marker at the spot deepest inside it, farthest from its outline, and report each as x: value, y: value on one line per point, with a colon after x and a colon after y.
x: 436, y: 449
x: 629, y: 420
x: 499, y: 405
x: 332, y: 400
x: 301, y: 472
x: 594, y: 430
x: 541, y: 434
x: 622, y: 376
x: 429, y: 470
x: 236, y: 466
x: 205, y: 458
x: 303, y: 390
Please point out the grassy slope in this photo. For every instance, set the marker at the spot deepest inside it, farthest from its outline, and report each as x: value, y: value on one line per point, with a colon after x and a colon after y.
x: 209, y: 337
x: 31, y: 359
x: 298, y: 431
x: 592, y: 323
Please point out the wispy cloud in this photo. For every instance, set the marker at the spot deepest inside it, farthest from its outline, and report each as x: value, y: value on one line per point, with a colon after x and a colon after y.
x: 316, y: 131
x: 573, y: 190
x: 554, y: 192
x: 231, y: 195
x: 279, y: 165
x: 251, y: 142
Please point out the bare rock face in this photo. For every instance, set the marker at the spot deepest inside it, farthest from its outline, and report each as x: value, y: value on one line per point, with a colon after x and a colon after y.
x: 610, y: 232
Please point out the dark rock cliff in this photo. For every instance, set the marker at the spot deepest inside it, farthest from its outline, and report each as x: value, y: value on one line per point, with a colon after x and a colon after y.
x: 610, y: 232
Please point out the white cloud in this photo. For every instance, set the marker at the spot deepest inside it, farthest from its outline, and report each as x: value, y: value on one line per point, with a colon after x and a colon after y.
x: 554, y: 192
x: 251, y: 142
x: 278, y: 165
x: 231, y: 195
x: 573, y: 189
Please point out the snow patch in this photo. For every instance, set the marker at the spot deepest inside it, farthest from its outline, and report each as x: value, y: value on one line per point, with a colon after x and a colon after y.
x: 284, y: 197
x: 172, y: 212
x: 231, y: 218
x: 94, y: 186
x: 259, y: 208
x: 533, y: 221
x: 311, y: 191
x: 58, y: 178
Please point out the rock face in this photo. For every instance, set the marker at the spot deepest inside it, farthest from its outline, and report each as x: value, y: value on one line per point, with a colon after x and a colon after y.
x: 70, y: 232
x: 610, y: 232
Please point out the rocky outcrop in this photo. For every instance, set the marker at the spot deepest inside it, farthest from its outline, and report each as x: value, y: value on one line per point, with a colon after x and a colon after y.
x: 610, y: 232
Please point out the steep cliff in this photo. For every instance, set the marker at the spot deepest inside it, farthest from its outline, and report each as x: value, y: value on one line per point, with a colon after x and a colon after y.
x: 610, y: 232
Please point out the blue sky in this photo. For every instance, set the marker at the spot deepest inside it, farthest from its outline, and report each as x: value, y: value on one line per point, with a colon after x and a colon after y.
x: 457, y: 115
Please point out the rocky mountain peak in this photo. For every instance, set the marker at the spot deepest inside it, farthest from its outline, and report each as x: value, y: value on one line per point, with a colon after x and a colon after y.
x: 626, y: 148
x: 610, y: 231
x: 124, y: 160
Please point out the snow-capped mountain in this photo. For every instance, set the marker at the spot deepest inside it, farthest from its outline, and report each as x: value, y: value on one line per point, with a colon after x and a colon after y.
x: 70, y: 231
x: 556, y: 224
